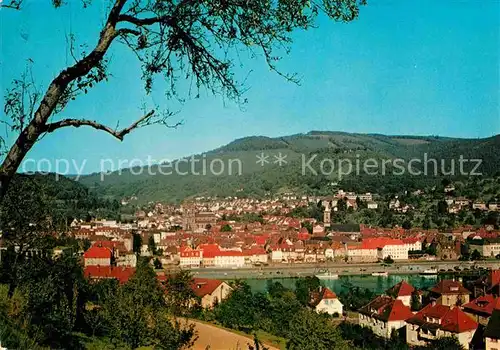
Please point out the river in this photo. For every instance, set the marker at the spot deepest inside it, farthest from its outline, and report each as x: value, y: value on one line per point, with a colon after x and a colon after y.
x: 378, y: 284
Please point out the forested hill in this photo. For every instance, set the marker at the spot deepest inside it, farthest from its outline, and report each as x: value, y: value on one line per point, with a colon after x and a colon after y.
x: 63, y: 198
x: 257, y: 179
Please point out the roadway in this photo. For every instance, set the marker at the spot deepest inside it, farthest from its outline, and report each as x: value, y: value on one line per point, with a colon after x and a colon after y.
x: 301, y: 270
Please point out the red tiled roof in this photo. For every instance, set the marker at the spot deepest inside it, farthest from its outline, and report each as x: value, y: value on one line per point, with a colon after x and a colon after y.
x: 484, y: 304
x: 449, y: 287
x: 229, y: 253
x: 401, y: 289
x: 254, y: 251
x: 97, y: 252
x: 494, y: 277
x: 122, y: 274
x: 457, y: 321
x: 449, y: 319
x: 204, y: 286
x: 380, y: 242
x: 386, y: 309
x: 326, y: 293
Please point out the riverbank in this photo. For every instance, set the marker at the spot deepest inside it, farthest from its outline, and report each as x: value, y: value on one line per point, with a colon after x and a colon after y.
x: 342, y: 269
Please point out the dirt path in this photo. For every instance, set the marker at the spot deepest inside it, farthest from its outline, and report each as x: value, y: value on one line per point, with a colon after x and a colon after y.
x: 215, y: 338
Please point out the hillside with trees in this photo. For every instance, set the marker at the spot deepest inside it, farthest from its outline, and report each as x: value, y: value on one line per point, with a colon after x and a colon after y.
x: 258, y: 180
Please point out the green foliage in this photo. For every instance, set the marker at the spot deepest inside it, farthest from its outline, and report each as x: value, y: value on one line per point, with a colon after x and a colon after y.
x: 180, y: 295
x: 388, y: 260
x: 236, y: 310
x: 151, y: 245
x: 354, y: 297
x: 226, y: 228
x: 311, y: 331
x: 444, y: 343
x: 258, y: 182
x: 137, y: 242
x: 304, y: 287
x: 63, y: 198
x: 416, y: 303
x: 476, y: 255
x: 364, y: 338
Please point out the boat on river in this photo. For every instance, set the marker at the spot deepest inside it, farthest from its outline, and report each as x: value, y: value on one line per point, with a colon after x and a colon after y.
x: 429, y: 272
x: 327, y: 275
x: 383, y: 274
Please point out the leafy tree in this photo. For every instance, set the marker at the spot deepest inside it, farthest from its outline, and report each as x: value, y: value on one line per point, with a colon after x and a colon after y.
x: 476, y: 255
x: 342, y: 204
x: 443, y: 343
x: 416, y: 303
x: 310, y: 331
x: 308, y: 226
x: 354, y: 297
x: 407, y: 224
x: 275, y: 289
x: 226, y: 228
x: 179, y: 292
x: 304, y: 287
x: 426, y: 224
x: 197, y: 41
x: 388, y: 260
x: 237, y: 311
x: 151, y: 245
x: 136, y: 243
x: 257, y: 345
x: 137, y: 315
x: 157, y: 264
x: 442, y: 207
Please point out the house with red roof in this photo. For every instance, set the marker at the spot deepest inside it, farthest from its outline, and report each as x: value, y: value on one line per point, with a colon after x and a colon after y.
x: 326, y: 301
x: 255, y: 255
x: 393, y: 247
x: 357, y: 251
x: 488, y: 284
x: 209, y: 252
x: 189, y: 257
x: 383, y: 315
x: 435, y: 321
x: 121, y: 274
x: 450, y: 293
x: 210, y: 291
x: 402, y: 291
x: 229, y: 258
x: 480, y: 309
x: 97, y: 255
x: 492, y: 332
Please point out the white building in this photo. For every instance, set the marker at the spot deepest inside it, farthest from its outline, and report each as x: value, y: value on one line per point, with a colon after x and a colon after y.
x: 437, y: 321
x: 383, y: 315
x: 190, y: 257
x: 327, y: 301
x: 229, y: 259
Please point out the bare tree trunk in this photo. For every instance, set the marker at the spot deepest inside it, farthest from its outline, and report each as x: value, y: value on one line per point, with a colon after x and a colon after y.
x: 37, y: 126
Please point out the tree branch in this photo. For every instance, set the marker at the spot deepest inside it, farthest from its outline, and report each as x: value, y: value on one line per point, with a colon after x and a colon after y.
x: 14, y: 4
x: 125, y: 31
x: 144, y: 21
x: 143, y: 121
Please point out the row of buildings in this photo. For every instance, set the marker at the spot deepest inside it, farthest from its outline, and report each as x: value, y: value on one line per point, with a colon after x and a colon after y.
x: 443, y: 311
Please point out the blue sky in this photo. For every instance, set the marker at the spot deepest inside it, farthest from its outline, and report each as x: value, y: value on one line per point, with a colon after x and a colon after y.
x: 422, y: 67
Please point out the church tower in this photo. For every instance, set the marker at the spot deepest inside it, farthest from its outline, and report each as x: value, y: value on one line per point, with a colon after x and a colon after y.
x: 327, y: 216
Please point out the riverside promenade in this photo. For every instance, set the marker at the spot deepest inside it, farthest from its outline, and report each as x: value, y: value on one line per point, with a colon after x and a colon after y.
x: 286, y: 270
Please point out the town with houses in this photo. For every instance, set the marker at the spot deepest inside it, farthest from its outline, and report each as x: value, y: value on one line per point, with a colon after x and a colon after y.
x: 208, y: 233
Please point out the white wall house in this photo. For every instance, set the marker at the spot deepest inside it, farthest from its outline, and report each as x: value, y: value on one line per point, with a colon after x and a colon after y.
x: 327, y: 301
x: 229, y: 259
x: 383, y: 315
x: 190, y: 257
x: 437, y: 321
